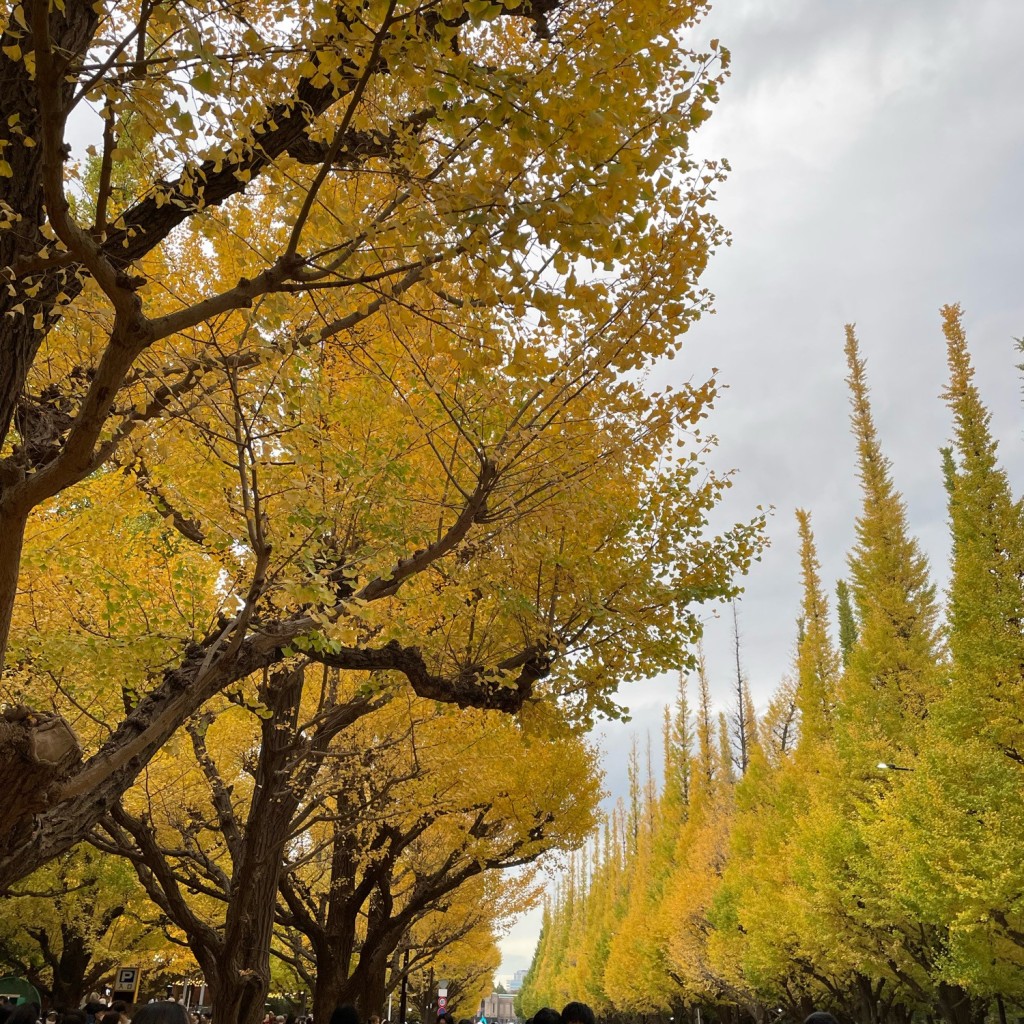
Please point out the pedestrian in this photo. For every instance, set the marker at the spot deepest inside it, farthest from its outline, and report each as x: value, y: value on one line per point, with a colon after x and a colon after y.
x: 26, y: 1013
x: 577, y: 1013
x: 344, y: 1015
x: 161, y: 1012
x: 545, y: 1015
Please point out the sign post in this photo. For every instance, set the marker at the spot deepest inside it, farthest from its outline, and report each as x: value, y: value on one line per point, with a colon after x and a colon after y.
x: 126, y: 984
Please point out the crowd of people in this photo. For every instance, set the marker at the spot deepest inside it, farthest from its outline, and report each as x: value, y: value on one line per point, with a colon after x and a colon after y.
x: 98, y: 1013
x: 572, y: 1013
x: 175, y: 1013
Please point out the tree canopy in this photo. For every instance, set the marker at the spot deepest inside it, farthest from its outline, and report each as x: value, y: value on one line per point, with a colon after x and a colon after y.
x: 324, y: 338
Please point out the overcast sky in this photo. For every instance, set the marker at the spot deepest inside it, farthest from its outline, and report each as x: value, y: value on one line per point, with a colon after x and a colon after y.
x: 877, y: 149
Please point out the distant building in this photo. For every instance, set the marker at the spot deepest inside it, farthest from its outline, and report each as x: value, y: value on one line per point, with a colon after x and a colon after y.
x: 517, y: 981
x: 497, y: 1009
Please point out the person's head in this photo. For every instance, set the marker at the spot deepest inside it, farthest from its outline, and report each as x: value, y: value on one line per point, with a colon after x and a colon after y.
x: 820, y: 1017
x: 73, y: 1017
x: 26, y: 1013
x: 576, y: 1013
x: 163, y: 1012
x: 110, y: 1017
x: 344, y: 1015
x: 120, y: 1006
x: 545, y: 1015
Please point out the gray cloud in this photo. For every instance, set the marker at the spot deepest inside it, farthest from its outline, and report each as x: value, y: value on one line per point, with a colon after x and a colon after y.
x: 878, y: 154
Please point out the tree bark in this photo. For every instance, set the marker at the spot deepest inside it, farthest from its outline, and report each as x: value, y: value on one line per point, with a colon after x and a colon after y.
x: 240, y: 976
x: 75, y: 970
x: 367, y: 993
x: 958, y: 1006
x: 72, y: 26
x: 38, y: 752
x: 13, y: 522
x: 329, y: 992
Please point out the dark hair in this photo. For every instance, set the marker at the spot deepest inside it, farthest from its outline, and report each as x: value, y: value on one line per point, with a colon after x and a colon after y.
x: 577, y: 1013
x: 340, y: 1015
x: 73, y: 1017
x: 545, y: 1015
x: 161, y: 1013
x: 120, y: 1005
x: 111, y: 1017
x: 26, y: 1013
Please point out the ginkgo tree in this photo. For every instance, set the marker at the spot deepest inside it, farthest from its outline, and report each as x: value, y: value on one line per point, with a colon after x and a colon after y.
x: 486, y: 211
x: 69, y: 925
x: 360, y: 808
x: 867, y: 860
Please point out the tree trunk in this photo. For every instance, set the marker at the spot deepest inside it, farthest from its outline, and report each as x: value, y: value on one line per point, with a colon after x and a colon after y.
x: 867, y: 1000
x: 329, y: 992
x: 236, y: 991
x: 242, y: 975
x: 958, y: 1006
x: 13, y: 522
x: 70, y: 971
x: 366, y: 989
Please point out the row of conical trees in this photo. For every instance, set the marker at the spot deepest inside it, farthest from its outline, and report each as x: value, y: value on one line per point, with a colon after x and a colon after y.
x: 857, y: 846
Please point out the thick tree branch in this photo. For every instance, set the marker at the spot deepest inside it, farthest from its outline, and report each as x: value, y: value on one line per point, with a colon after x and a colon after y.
x: 474, y: 509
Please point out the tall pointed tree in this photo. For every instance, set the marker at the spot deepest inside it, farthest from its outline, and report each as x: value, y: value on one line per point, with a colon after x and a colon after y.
x: 986, y: 593
x: 892, y: 675
x: 816, y: 661
x: 967, y: 889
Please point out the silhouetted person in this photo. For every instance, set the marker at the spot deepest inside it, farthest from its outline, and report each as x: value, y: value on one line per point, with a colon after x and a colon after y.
x: 26, y: 1013
x: 576, y: 1013
x: 820, y: 1017
x: 161, y: 1013
x: 341, y: 1015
